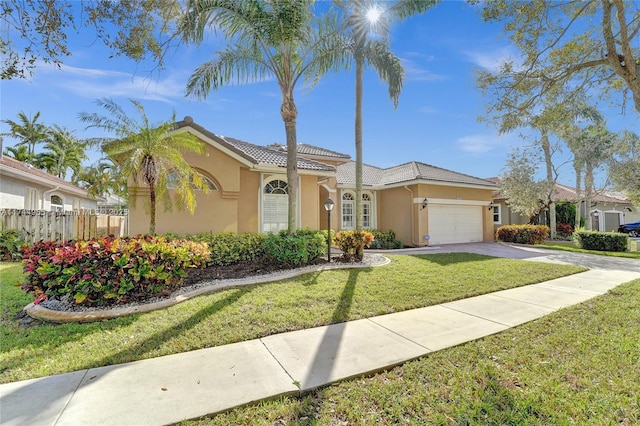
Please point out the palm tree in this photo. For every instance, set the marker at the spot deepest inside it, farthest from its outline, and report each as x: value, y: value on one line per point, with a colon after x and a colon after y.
x: 20, y: 153
x: 28, y: 131
x: 277, y: 39
x: 150, y: 152
x: 102, y: 179
x: 376, y: 52
x: 62, y: 151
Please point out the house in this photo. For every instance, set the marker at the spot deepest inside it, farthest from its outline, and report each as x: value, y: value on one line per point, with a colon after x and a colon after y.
x: 606, y: 212
x: 248, y: 190
x: 22, y: 186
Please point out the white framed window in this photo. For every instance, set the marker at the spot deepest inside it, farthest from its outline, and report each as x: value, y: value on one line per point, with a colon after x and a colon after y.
x: 497, y: 216
x: 31, y: 199
x: 367, y: 221
x: 275, y: 206
x: 57, y: 204
x: 348, y: 211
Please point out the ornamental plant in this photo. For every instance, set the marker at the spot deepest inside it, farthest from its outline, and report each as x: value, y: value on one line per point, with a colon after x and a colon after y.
x: 523, y: 234
x: 293, y: 249
x: 109, y: 270
x: 350, y: 242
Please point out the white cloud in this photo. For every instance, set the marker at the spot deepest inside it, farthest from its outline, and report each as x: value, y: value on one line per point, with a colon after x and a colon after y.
x: 414, y: 72
x: 492, y: 60
x: 482, y: 144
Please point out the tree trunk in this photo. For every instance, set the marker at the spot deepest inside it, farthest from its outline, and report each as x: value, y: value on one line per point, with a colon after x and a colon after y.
x: 152, y: 200
x: 546, y: 148
x: 358, y: 136
x: 578, y: 195
x: 588, y: 189
x: 289, y: 114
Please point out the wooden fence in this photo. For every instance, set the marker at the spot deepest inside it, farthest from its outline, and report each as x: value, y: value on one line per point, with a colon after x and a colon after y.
x: 36, y: 225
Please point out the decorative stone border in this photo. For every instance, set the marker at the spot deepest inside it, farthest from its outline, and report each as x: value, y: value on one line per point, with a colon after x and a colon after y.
x: 42, y: 313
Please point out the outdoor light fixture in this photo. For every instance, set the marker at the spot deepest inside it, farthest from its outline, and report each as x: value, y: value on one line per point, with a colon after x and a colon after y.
x: 328, y: 206
x: 425, y: 202
x: 491, y: 206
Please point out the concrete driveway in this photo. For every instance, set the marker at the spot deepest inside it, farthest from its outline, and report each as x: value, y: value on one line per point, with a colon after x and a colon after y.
x: 515, y: 251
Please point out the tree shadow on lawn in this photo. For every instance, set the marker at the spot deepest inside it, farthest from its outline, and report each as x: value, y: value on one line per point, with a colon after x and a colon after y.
x: 445, y: 259
x: 136, y: 351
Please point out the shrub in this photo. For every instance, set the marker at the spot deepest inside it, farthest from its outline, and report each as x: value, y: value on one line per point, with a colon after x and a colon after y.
x: 228, y: 248
x: 564, y: 230
x: 523, y: 234
x: 383, y: 240
x: 349, y: 242
x: 109, y: 270
x: 602, y: 241
x: 292, y: 249
x: 10, y: 243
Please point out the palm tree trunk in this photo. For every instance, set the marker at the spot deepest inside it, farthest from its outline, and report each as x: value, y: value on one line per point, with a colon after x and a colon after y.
x: 152, y: 200
x: 358, y: 137
x: 578, y: 195
x: 546, y: 148
x: 588, y: 189
x: 289, y: 114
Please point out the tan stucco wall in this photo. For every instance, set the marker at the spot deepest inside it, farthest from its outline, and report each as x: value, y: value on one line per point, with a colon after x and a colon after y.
x: 248, y: 200
x: 309, y: 202
x: 395, y: 206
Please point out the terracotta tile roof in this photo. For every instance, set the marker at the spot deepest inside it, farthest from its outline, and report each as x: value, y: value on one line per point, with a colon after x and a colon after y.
x: 41, y: 175
x: 304, y: 148
x: 568, y: 194
x: 268, y: 155
x: 411, y: 171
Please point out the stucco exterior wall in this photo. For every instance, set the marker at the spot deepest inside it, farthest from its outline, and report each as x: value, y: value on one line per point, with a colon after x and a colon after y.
x: 309, y: 203
x: 248, y: 201
x: 395, y: 206
x: 13, y: 192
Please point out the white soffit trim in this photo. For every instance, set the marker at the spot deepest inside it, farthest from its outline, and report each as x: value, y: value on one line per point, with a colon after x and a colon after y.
x: 453, y: 201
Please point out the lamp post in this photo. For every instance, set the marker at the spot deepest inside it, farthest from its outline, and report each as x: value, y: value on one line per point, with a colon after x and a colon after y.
x: 328, y: 206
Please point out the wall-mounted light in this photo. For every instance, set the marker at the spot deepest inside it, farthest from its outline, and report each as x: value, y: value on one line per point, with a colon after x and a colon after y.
x: 425, y: 202
x: 491, y: 205
x: 628, y: 209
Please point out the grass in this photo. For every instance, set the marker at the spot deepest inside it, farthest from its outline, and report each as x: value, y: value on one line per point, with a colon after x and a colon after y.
x: 579, y: 365
x: 570, y: 246
x: 251, y: 312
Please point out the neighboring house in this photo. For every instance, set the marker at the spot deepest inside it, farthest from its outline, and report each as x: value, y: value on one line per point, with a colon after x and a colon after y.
x: 606, y: 211
x: 22, y: 186
x: 248, y: 192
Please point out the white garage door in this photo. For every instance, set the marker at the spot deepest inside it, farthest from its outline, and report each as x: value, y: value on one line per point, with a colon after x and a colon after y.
x: 454, y: 224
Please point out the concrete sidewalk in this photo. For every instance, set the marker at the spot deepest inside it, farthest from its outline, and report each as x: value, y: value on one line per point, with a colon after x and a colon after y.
x: 192, y: 384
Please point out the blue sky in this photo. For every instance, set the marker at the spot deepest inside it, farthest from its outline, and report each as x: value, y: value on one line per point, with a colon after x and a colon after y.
x: 435, y: 122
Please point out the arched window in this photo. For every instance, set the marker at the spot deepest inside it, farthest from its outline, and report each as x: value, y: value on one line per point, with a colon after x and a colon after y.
x: 277, y: 187
x: 57, y: 205
x: 275, y: 206
x: 348, y: 210
x: 172, y: 181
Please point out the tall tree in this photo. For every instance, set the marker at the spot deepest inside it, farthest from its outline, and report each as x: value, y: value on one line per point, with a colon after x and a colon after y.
x: 362, y: 17
x: 149, y: 152
x: 625, y: 165
x: 28, y: 131
x: 62, y: 151
x: 279, y: 39
x: 20, y: 153
x: 572, y: 46
x: 103, y: 178
x: 39, y: 30
x: 519, y: 185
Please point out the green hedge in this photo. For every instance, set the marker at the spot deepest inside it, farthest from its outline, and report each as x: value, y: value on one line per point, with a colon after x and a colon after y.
x: 523, y: 234
x: 384, y: 240
x: 292, y: 249
x: 602, y: 241
x: 109, y: 270
x: 228, y: 248
x: 10, y: 243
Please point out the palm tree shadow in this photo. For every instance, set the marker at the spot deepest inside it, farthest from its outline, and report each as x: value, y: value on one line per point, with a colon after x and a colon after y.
x: 323, y: 363
x: 152, y: 342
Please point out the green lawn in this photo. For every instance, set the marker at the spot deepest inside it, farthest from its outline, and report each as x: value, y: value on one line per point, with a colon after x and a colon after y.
x: 253, y: 311
x: 576, y: 366
x: 570, y: 246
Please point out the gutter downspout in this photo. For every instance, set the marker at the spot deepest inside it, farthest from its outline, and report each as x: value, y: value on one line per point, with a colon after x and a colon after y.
x: 413, y: 234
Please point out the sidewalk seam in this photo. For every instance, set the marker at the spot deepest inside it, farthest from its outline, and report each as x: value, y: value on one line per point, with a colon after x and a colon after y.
x: 476, y: 316
x: 298, y: 385
x: 64, y: 407
x: 400, y: 335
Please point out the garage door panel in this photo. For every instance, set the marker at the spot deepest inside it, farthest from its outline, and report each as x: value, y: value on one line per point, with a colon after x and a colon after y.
x: 450, y: 224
